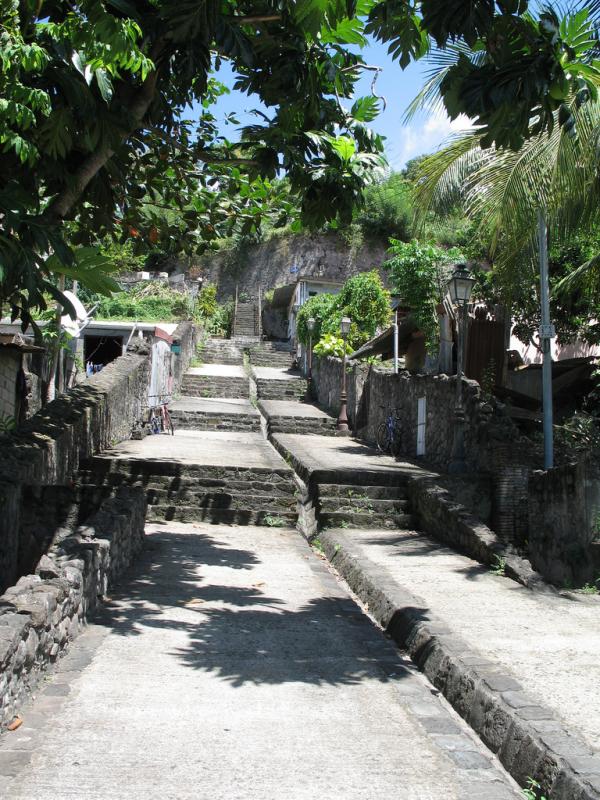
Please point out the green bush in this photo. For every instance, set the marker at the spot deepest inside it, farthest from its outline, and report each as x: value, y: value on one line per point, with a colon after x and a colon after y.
x: 362, y: 298
x: 149, y: 301
x: 387, y: 211
x: 418, y: 273
x: 365, y: 300
x: 321, y: 307
x: 331, y: 345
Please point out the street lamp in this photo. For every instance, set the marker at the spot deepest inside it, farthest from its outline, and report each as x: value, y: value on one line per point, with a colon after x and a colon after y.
x: 460, y: 287
x: 310, y: 324
x: 342, y: 422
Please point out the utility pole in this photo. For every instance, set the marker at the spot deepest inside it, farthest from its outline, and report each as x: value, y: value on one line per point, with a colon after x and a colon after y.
x: 547, y: 333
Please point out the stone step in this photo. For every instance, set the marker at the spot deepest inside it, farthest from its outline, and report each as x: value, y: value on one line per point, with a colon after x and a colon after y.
x: 364, y: 520
x: 273, y: 485
x: 133, y: 469
x: 367, y: 505
x: 215, y: 386
x: 199, y: 421
x: 309, y: 427
x: 222, y: 499
x: 268, y: 389
x: 221, y: 516
x: 351, y: 491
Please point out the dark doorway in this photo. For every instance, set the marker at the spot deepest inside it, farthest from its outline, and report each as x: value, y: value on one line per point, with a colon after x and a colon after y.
x: 101, y: 350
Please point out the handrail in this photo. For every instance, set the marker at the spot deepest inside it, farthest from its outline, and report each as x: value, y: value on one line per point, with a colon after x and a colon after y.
x: 259, y: 312
x: 235, y: 307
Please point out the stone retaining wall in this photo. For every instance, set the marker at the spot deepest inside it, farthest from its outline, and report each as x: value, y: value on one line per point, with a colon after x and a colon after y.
x: 373, y: 392
x: 564, y: 527
x: 89, y: 418
x: 43, y: 611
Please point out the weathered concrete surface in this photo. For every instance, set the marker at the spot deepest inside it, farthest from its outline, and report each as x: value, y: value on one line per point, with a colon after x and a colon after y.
x: 319, y: 455
x: 542, y: 649
x: 292, y: 408
x: 236, y: 667
x: 235, y: 449
x: 276, y: 373
x: 220, y: 370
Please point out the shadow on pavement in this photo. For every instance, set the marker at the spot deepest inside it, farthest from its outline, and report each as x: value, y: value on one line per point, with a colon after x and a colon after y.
x: 241, y: 633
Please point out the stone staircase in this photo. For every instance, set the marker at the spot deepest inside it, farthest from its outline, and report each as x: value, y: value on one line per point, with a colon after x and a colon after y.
x: 271, y: 354
x: 200, y: 414
x: 214, y: 494
x: 196, y: 384
x: 291, y: 387
x: 300, y: 418
x: 246, y: 322
x: 377, y: 505
x: 220, y: 351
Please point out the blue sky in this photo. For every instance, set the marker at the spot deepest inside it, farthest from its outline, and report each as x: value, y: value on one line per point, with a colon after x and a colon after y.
x: 424, y: 134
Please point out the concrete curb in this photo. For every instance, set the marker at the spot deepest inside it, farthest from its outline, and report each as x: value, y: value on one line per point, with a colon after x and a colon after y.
x: 526, y: 737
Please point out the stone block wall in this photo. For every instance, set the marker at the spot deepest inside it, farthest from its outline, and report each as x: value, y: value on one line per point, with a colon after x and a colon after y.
x: 564, y: 523
x: 43, y: 612
x: 373, y: 392
x: 10, y: 364
x: 88, y: 419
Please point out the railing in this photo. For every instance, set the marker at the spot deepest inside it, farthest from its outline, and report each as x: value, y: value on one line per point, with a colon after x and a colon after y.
x: 259, y: 326
x: 235, y: 307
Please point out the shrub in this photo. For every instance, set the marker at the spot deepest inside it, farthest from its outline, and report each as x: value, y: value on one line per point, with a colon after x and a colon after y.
x: 418, y: 273
x: 365, y: 300
x: 331, y: 345
x: 149, y: 301
x: 321, y: 307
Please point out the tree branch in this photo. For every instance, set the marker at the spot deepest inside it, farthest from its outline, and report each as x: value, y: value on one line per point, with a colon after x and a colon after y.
x: 252, y: 19
x: 64, y: 201
x: 203, y: 155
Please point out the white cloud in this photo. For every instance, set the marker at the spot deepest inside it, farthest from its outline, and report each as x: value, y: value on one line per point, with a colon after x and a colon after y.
x: 424, y: 136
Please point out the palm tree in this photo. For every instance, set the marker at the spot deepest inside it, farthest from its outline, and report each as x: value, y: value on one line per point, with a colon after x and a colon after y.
x: 502, y: 190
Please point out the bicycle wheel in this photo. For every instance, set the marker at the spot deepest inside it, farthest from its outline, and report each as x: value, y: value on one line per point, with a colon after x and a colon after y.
x: 395, y: 444
x: 383, y: 437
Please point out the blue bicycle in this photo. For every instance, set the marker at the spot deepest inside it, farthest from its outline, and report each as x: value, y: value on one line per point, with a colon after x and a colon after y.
x: 388, y: 434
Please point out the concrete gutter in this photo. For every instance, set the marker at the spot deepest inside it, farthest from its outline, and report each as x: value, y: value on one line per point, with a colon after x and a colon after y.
x: 526, y: 737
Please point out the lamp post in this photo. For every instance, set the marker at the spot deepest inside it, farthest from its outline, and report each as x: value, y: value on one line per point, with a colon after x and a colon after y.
x: 310, y: 324
x: 460, y: 287
x: 342, y: 422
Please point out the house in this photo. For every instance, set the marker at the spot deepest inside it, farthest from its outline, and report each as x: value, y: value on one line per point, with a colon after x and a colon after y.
x: 290, y: 298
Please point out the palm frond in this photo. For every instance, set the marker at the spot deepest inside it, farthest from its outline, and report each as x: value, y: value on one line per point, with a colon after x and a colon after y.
x: 441, y: 60
x: 576, y: 279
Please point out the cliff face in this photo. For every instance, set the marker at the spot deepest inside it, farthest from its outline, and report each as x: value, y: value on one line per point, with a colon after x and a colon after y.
x: 280, y: 261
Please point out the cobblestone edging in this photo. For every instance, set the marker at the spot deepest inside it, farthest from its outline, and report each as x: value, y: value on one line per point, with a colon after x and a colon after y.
x: 451, y: 522
x: 525, y: 736
x: 41, y: 613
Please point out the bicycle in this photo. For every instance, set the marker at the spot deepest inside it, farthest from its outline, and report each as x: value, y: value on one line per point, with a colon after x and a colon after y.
x: 388, y: 434
x: 159, y: 417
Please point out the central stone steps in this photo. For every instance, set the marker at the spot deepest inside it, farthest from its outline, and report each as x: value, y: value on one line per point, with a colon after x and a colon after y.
x: 362, y: 506
x: 279, y: 384
x: 214, y: 414
x: 221, y: 351
x: 203, y: 493
x: 216, y: 381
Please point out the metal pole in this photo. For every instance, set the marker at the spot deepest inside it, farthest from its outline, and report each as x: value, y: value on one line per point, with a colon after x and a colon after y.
x: 546, y: 335
x: 458, y: 462
x: 342, y: 422
x: 396, y: 342
x: 309, y: 380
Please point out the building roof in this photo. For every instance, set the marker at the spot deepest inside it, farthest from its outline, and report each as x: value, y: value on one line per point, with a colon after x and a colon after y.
x: 16, y: 341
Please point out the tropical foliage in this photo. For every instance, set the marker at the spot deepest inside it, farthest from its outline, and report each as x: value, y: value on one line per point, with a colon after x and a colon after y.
x: 150, y: 301
x: 418, y: 274
x: 503, y: 191
x: 362, y: 298
x: 96, y: 136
